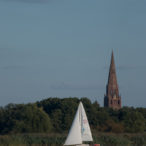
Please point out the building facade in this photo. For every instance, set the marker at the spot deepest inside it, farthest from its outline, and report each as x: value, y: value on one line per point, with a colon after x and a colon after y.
x: 112, y: 98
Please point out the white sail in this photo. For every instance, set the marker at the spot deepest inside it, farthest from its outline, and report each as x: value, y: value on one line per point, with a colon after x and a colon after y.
x: 80, y: 130
x: 85, y: 129
x: 74, y: 136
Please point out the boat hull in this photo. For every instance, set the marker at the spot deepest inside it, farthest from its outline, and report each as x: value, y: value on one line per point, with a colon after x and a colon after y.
x: 83, y: 145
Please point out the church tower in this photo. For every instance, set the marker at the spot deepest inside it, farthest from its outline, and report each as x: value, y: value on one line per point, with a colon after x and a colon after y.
x: 112, y: 98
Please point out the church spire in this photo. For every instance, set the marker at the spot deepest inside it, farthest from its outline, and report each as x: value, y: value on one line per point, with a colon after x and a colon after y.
x: 112, y: 98
x: 112, y: 78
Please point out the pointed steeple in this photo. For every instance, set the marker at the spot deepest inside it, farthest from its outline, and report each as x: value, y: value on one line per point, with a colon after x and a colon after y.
x: 112, y: 98
x: 112, y: 78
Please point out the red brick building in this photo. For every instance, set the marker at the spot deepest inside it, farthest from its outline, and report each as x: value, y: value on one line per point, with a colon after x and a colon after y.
x: 112, y: 98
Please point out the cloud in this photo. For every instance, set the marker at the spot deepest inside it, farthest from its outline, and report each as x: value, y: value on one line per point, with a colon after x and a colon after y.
x: 71, y: 86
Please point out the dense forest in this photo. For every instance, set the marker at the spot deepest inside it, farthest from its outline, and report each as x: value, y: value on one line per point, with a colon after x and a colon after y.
x: 55, y: 115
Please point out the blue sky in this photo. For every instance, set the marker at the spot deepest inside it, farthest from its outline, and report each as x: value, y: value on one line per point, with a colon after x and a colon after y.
x: 63, y: 47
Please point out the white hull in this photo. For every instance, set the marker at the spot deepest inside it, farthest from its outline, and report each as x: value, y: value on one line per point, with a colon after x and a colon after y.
x: 83, y: 145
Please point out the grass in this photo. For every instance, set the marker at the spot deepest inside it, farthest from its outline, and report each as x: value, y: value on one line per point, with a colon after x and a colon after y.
x: 105, y: 139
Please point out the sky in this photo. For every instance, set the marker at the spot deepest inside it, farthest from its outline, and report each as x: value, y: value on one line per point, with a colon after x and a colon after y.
x: 62, y: 48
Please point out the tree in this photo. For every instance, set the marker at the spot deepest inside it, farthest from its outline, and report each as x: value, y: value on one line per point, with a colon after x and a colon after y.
x: 133, y: 121
x: 25, y: 118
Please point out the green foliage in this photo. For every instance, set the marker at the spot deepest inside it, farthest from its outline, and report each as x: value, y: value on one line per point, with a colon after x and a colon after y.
x: 56, y: 115
x: 31, y: 140
x: 24, y: 118
x: 61, y: 111
x: 105, y: 139
x: 133, y: 120
x: 138, y: 140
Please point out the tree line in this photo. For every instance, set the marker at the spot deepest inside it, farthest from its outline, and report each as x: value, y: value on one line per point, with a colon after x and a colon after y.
x: 56, y: 115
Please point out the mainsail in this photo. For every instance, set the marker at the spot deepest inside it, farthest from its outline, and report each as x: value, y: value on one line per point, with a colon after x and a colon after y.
x: 80, y: 130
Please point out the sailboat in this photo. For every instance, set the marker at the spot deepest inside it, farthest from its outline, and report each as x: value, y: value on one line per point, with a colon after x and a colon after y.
x: 80, y: 130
